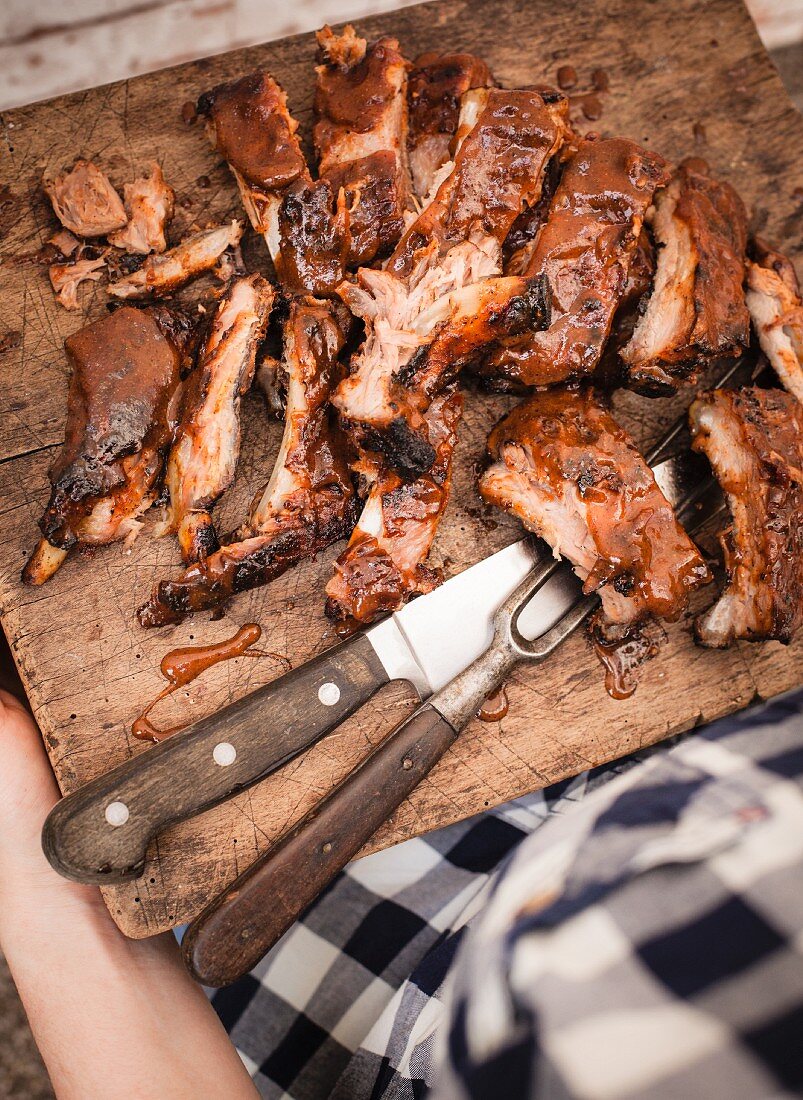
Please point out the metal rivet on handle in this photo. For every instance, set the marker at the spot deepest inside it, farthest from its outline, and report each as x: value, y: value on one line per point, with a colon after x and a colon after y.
x: 117, y: 814
x: 329, y: 694
x: 224, y: 754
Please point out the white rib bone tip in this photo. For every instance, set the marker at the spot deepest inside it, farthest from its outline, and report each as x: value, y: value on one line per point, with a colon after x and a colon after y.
x: 224, y: 754
x: 117, y: 814
x: 329, y: 694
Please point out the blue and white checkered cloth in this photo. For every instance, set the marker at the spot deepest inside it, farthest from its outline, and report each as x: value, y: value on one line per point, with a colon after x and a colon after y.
x: 635, y: 932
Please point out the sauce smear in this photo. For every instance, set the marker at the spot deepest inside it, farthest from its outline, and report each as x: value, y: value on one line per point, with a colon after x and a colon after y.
x: 183, y: 665
x: 495, y: 706
x: 623, y: 654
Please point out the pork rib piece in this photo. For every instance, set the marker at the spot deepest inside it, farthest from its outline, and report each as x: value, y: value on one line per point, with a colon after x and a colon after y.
x: 436, y: 85
x: 85, y: 201
x: 149, y: 203
x: 563, y: 465
x: 754, y: 440
x: 120, y: 417
x: 249, y: 124
x: 383, y: 565
x: 354, y: 213
x: 309, y: 501
x: 773, y: 300
x: 455, y: 241
x: 204, y: 455
x: 161, y: 274
x: 583, y: 252
x: 696, y: 313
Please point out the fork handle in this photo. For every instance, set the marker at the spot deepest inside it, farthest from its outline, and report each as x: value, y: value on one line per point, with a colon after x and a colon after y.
x: 233, y: 933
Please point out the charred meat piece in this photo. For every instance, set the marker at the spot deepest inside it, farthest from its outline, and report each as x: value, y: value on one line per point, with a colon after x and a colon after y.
x: 773, y: 301
x: 383, y: 565
x: 250, y: 126
x: 584, y: 251
x: 563, y: 465
x: 85, y: 202
x: 436, y: 86
x: 508, y: 138
x: 696, y: 314
x: 66, y: 277
x: 120, y: 417
x: 161, y: 274
x: 204, y: 455
x: 149, y: 203
x: 454, y: 242
x: 610, y: 372
x: 360, y: 102
x: 354, y: 212
x: 520, y: 241
x: 309, y: 501
x: 487, y: 314
x: 754, y: 440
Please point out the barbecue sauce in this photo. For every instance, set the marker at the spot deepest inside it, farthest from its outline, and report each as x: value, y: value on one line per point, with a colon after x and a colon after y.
x: 624, y: 654
x: 495, y: 706
x: 183, y: 665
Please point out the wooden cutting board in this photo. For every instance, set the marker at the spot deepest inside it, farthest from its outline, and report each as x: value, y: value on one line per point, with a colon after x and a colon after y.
x: 693, y: 81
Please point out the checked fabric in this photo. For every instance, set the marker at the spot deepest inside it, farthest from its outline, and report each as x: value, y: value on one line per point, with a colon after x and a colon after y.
x: 635, y: 932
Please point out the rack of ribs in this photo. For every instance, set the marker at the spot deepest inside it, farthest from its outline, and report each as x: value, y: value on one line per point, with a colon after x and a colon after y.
x: 121, y: 412
x: 309, y: 501
x: 773, y: 301
x: 753, y: 439
x: 436, y: 85
x: 383, y: 565
x: 696, y: 314
x: 505, y: 141
x: 206, y: 447
x: 571, y: 474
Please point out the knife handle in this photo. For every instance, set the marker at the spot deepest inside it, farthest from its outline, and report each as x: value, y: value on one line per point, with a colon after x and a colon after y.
x: 233, y: 933
x: 101, y: 832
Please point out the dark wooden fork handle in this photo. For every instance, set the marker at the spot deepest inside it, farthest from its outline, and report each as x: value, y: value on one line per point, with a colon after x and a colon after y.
x: 233, y: 933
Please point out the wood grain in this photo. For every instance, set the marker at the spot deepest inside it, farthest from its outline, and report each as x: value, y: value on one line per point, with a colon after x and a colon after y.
x: 88, y: 667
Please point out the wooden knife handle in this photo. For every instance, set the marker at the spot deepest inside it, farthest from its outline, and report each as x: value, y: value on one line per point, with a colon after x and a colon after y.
x: 101, y: 832
x: 233, y: 933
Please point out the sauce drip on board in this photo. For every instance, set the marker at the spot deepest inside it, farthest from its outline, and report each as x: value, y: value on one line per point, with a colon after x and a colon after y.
x: 624, y: 655
x: 495, y: 706
x: 183, y: 665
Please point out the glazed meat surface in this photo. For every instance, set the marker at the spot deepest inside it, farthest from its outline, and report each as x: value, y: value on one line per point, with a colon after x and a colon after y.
x: 161, y: 274
x: 754, y: 440
x: 436, y: 86
x: 562, y: 464
x: 249, y: 124
x: 149, y: 203
x: 354, y: 212
x: 85, y: 201
x: 204, y: 455
x: 696, y: 313
x: 454, y: 242
x: 383, y: 565
x: 584, y: 251
x: 120, y: 417
x: 773, y: 301
x: 309, y: 501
